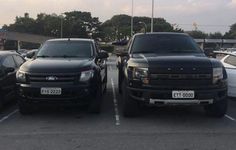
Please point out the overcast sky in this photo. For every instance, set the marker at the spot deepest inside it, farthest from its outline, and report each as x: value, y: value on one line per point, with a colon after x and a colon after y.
x: 210, y: 15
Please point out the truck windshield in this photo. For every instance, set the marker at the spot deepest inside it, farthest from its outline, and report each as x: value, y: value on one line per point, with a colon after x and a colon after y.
x: 66, y: 49
x: 164, y: 44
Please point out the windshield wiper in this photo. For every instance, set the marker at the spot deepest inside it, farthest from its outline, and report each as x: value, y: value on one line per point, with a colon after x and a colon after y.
x: 183, y: 51
x: 143, y: 52
x: 43, y: 56
x: 66, y: 56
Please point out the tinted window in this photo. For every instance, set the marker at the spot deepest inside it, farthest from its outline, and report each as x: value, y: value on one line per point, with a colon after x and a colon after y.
x: 164, y: 43
x: 19, y: 60
x: 231, y: 60
x: 66, y: 49
x: 8, y: 62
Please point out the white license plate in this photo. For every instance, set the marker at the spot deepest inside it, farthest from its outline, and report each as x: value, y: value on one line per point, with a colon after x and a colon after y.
x: 183, y: 94
x: 50, y: 91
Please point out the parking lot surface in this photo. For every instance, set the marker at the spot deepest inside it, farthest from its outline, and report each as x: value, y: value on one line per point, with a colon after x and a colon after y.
x: 72, y: 128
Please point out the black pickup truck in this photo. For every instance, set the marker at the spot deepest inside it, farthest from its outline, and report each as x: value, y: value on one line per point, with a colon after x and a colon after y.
x: 63, y: 72
x: 170, y: 69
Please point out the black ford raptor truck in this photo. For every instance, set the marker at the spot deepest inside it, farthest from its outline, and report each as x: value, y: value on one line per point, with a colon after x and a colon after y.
x: 170, y: 69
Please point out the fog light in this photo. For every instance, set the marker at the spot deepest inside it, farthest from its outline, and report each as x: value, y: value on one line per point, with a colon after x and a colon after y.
x: 145, y: 81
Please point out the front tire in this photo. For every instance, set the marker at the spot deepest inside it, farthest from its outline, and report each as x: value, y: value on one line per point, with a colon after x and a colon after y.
x: 218, y: 109
x: 1, y: 100
x: 130, y: 106
x: 105, y: 84
x: 25, y: 108
x: 1, y: 103
x: 95, y: 106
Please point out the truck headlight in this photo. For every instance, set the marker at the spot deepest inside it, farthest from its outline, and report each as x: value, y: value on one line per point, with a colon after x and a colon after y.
x: 141, y: 74
x: 86, y: 75
x: 20, y: 76
x: 217, y: 74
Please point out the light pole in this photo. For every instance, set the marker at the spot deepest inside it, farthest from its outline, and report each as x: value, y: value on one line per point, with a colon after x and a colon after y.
x: 152, y: 21
x: 62, y: 17
x: 132, y: 18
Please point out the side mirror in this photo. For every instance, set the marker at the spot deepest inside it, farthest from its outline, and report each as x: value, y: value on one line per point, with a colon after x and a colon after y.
x: 103, y: 55
x: 122, y: 53
x: 209, y: 52
x: 9, y: 70
x: 30, y: 55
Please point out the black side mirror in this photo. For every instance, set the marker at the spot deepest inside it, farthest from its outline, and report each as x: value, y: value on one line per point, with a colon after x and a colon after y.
x: 103, y: 55
x: 122, y: 53
x: 30, y: 55
x: 9, y: 70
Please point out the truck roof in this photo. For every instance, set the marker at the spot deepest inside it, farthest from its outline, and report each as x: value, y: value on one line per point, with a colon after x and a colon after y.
x: 162, y: 33
x: 72, y: 39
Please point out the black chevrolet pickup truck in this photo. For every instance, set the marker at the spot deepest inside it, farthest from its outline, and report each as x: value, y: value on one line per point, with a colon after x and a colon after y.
x: 63, y: 72
x: 170, y: 69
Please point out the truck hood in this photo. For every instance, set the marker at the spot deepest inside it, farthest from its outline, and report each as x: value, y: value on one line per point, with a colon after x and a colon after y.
x: 172, y: 63
x: 56, y: 65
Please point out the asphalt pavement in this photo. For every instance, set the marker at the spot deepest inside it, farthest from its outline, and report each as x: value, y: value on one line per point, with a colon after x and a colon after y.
x: 165, y: 128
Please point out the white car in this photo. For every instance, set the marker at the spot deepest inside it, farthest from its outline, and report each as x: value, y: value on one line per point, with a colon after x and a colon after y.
x: 229, y: 61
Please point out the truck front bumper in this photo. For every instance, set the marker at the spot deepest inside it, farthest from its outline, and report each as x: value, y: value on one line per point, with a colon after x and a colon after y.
x: 70, y: 95
x: 164, y: 97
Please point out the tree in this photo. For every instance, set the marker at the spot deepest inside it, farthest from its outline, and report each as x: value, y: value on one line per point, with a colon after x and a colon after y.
x: 118, y: 27
x: 75, y: 24
x: 81, y: 24
x: 232, y: 32
x: 197, y: 34
x: 22, y: 24
x: 216, y: 35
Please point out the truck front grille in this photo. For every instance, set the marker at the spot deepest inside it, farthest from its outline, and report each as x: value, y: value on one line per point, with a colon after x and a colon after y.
x: 181, y: 80
x: 52, y: 78
x: 180, y: 76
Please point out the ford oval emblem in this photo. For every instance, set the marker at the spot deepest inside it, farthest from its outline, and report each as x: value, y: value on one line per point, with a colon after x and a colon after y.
x: 51, y: 78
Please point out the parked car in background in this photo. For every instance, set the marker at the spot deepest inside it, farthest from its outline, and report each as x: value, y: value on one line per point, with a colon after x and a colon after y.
x: 22, y: 52
x: 231, y: 50
x: 120, y: 42
x: 64, y: 72
x: 209, y: 52
x: 229, y: 61
x: 9, y: 64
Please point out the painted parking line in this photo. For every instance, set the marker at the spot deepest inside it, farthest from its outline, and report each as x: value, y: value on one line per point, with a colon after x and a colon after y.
x: 8, y: 116
x: 110, y: 68
x: 230, y: 118
x: 117, y: 116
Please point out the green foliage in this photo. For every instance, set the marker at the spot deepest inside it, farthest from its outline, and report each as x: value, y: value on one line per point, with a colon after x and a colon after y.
x: 22, y: 24
x: 82, y: 25
x: 232, y: 32
x: 75, y: 24
x: 216, y: 35
x: 107, y: 48
x: 118, y: 27
x: 198, y: 34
